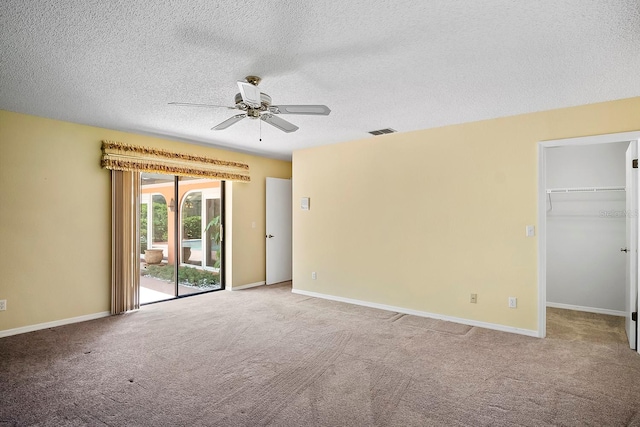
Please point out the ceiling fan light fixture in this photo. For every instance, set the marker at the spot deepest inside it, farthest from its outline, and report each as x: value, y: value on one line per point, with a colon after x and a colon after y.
x: 250, y: 94
x: 265, y: 101
x: 255, y: 104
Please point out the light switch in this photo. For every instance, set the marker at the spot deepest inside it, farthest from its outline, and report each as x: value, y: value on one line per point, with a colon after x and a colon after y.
x: 304, y: 203
x: 531, y: 230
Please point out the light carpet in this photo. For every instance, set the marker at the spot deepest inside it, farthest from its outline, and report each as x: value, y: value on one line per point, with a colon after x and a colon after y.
x: 267, y: 357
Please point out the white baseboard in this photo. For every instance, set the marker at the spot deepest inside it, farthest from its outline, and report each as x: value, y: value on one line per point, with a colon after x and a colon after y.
x: 62, y: 322
x: 247, y: 286
x: 587, y: 309
x: 469, y: 322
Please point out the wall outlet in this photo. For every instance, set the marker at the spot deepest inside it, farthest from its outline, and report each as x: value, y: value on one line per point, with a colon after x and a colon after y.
x: 473, y: 298
x: 3, y: 304
x: 513, y: 302
x: 314, y: 275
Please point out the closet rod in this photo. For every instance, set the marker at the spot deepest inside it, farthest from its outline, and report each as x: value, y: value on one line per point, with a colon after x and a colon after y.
x: 584, y: 189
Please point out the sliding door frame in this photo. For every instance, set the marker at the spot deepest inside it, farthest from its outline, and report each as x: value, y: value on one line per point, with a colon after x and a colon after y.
x: 223, y: 229
x: 178, y: 253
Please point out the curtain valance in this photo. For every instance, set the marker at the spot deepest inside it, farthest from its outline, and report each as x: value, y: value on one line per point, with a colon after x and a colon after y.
x: 126, y: 157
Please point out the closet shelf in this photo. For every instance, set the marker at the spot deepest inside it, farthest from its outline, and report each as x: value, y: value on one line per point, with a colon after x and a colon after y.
x: 584, y: 190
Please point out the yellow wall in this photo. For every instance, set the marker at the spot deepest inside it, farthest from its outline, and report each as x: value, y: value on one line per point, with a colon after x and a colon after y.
x: 55, y: 217
x: 420, y: 220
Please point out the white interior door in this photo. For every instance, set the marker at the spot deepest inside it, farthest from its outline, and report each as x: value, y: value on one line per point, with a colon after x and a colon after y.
x: 631, y: 295
x: 278, y: 220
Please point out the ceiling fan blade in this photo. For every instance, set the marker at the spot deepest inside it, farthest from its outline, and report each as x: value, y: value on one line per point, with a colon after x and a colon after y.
x: 230, y: 121
x: 316, y: 110
x: 188, y: 104
x: 279, y: 123
x: 250, y: 94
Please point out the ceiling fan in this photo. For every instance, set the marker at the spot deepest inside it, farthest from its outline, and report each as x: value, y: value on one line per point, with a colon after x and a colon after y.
x: 257, y: 105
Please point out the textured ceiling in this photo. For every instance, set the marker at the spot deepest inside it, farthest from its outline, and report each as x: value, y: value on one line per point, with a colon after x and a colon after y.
x: 406, y: 64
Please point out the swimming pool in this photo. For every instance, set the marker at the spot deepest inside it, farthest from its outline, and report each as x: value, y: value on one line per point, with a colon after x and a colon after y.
x: 196, y: 244
x: 193, y: 244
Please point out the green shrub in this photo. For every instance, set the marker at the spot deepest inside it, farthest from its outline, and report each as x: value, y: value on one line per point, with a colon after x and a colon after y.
x: 213, y: 228
x: 143, y: 220
x: 143, y: 227
x: 192, y: 227
x: 160, y: 219
x: 188, y: 276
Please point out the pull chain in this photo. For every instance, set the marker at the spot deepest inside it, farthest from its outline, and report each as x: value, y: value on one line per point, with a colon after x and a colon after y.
x: 260, y: 118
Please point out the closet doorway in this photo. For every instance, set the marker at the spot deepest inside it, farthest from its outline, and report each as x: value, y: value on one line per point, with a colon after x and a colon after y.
x: 180, y: 236
x: 587, y: 232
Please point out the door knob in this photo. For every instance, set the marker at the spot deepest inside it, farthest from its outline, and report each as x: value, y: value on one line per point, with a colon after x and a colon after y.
x: 269, y: 236
x: 624, y: 250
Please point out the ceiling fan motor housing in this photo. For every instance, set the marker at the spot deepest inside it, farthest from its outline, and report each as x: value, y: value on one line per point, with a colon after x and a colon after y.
x: 265, y: 102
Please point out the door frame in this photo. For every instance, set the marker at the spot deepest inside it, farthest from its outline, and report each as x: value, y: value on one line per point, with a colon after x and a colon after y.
x: 287, y: 244
x: 542, y: 208
x: 631, y: 245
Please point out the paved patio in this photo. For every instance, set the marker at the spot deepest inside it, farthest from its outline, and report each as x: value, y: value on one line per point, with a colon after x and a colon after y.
x: 153, y: 289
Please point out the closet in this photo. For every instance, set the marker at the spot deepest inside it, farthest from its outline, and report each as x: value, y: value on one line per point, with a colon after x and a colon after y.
x: 586, y: 227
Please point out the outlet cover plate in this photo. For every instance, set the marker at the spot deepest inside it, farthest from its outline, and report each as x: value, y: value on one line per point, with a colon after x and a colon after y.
x: 530, y: 231
x: 3, y: 304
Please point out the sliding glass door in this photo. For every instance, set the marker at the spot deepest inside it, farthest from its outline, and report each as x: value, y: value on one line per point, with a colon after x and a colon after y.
x: 157, y: 224
x: 180, y: 236
x: 200, y: 216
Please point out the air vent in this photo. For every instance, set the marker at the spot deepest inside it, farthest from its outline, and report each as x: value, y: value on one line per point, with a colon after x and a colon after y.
x: 382, y: 131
